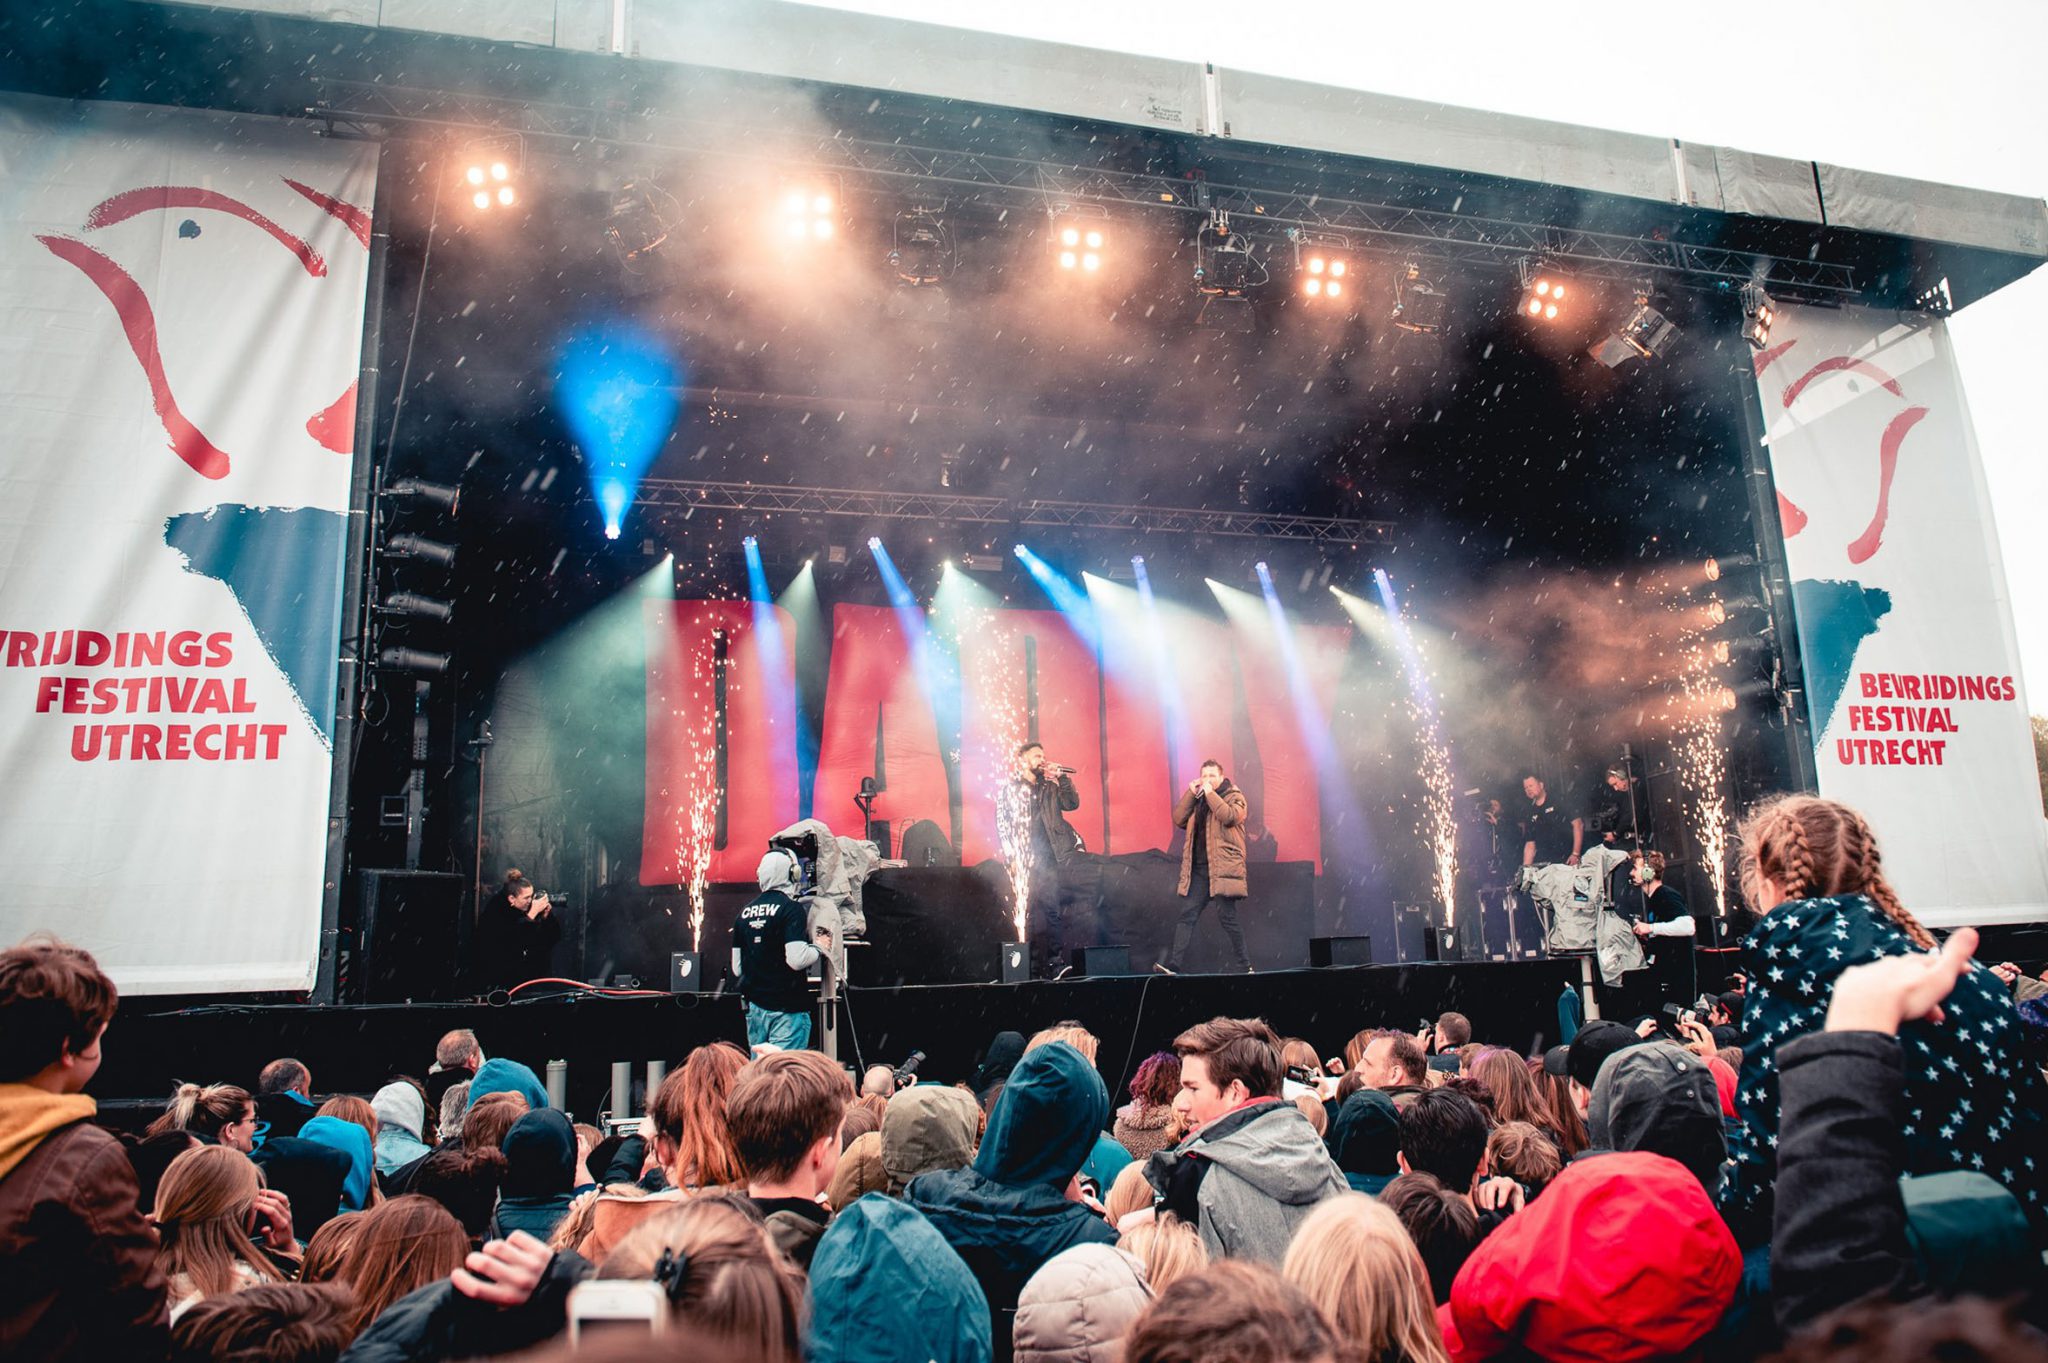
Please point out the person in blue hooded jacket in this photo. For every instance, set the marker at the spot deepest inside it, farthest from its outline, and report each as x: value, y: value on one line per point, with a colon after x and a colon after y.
x: 353, y: 1141
x: 507, y: 1076
x: 880, y: 1260
x: 1014, y: 1208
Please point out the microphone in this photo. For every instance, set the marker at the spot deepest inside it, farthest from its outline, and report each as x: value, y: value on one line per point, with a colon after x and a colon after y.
x: 1062, y: 769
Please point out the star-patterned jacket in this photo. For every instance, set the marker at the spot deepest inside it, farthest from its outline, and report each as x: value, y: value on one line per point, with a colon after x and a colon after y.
x: 1973, y: 1101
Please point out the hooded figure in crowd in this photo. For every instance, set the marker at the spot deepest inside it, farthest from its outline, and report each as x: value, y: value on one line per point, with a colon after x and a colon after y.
x: 1661, y: 1099
x: 309, y: 1174
x: 1365, y: 1140
x: 401, y: 1119
x: 540, y: 1175
x: 886, y: 1288
x: 1002, y: 1055
x: 1008, y: 1212
x: 350, y: 1140
x: 507, y: 1076
x: 927, y: 1127
x: 1079, y: 1307
x: 1622, y: 1260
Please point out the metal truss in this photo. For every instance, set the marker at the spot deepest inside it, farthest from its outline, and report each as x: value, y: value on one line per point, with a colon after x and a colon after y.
x: 1449, y: 238
x: 671, y: 494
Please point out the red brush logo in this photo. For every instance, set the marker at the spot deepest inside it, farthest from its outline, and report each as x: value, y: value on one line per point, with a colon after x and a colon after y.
x: 1790, y: 516
x: 333, y: 427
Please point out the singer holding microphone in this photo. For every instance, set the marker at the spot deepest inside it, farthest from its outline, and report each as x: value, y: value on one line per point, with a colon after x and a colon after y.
x: 1041, y: 794
x: 1212, y: 862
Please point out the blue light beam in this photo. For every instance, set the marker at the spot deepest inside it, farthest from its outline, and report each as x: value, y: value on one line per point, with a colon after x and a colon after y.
x: 1067, y: 598
x: 916, y: 627
x: 616, y: 386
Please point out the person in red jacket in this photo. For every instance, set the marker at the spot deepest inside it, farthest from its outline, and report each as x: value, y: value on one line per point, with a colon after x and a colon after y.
x: 82, y: 1280
x: 1622, y: 1260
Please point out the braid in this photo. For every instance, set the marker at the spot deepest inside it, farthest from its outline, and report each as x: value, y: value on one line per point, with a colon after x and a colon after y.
x: 1868, y: 865
x: 1802, y: 878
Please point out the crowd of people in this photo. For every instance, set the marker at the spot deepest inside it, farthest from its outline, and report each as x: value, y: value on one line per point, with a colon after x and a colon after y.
x: 1842, y: 1159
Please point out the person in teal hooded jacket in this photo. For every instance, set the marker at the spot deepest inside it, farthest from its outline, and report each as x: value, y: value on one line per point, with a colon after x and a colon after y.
x: 508, y: 1076
x: 880, y: 1261
x: 1009, y: 1211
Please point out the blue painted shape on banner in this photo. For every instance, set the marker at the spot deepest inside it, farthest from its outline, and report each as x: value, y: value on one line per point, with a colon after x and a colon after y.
x: 284, y: 566
x: 1834, y: 619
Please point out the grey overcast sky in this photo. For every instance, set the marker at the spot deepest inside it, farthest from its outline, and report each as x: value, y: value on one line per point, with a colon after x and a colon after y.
x: 1950, y: 92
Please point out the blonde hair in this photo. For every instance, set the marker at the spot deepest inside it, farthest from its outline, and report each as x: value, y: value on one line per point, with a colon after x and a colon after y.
x: 736, y: 1286
x: 1168, y: 1247
x: 1352, y: 1258
x: 1073, y: 1033
x: 203, y: 1111
x: 1812, y: 848
x: 576, y: 1223
x: 1129, y: 1193
x: 400, y: 1246
x: 202, y: 1214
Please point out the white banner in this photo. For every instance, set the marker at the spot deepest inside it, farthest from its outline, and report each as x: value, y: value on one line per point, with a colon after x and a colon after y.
x: 181, y: 306
x: 1905, y: 621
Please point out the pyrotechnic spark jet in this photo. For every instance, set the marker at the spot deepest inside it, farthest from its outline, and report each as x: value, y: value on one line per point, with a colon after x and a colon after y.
x: 1438, y: 825
x: 1703, y: 766
x: 1002, y: 706
x: 696, y: 820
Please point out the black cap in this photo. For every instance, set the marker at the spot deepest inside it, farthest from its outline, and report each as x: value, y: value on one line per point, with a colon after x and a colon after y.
x: 1591, y: 1047
x: 1554, y: 1061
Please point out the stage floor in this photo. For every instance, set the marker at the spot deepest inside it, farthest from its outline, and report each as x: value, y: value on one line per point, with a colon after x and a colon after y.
x: 357, y: 1049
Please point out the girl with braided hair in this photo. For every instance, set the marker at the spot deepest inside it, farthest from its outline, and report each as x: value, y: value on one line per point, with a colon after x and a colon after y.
x: 1811, y: 868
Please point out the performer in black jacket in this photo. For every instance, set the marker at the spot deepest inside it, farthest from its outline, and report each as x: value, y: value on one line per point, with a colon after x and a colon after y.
x: 1042, y: 843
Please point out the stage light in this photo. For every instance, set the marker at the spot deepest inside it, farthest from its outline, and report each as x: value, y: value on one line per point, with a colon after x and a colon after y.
x: 1226, y: 265
x: 491, y: 168
x: 749, y: 542
x: 874, y: 541
x: 1543, y: 292
x: 414, y: 606
x: 1019, y: 550
x: 416, y: 546
x: 1758, y: 313
x: 611, y: 532
x: 1712, y: 570
x: 809, y: 214
x: 1078, y: 237
x: 448, y: 498
x: 642, y: 218
x: 922, y: 251
x: 1420, y: 306
x: 1644, y: 334
x: 413, y: 660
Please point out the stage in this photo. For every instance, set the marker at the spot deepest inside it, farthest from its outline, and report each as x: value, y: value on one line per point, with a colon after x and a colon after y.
x: 357, y: 1049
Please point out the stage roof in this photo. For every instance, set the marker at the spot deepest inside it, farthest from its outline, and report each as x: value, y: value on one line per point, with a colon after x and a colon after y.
x: 1976, y: 240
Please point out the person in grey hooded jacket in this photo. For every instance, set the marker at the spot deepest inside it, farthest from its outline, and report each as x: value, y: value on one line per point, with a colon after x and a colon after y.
x: 1253, y: 1168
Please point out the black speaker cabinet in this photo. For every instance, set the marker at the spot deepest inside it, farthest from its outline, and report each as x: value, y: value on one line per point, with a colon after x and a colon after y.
x: 1097, y: 962
x: 412, y: 937
x: 1328, y: 951
x: 1016, y: 961
x: 685, y: 976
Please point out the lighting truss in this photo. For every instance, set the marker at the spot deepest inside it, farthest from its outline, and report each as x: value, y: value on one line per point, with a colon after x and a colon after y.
x: 1450, y: 238
x: 671, y: 494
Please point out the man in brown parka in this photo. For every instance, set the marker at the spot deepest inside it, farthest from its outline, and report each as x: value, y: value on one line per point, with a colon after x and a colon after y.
x: 1212, y: 861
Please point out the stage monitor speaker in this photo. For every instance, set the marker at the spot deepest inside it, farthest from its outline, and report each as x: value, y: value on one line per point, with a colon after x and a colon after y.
x: 412, y: 938
x: 1098, y: 962
x: 684, y: 974
x: 1441, y: 944
x: 878, y: 834
x: 1016, y: 961
x: 1329, y: 951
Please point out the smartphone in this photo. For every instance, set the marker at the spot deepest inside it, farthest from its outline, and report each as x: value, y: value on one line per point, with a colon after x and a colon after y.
x: 601, y: 1309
